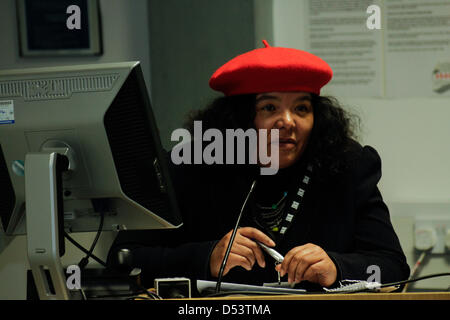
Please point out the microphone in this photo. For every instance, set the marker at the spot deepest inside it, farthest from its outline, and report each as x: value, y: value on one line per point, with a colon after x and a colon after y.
x: 233, y: 234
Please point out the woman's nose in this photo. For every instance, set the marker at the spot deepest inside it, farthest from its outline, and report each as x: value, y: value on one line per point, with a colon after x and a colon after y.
x: 285, y: 120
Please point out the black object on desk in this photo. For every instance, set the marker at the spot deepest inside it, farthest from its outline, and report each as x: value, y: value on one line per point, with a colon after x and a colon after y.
x: 96, y: 284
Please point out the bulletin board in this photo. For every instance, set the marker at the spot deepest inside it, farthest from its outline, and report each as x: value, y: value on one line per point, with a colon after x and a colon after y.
x: 408, y: 55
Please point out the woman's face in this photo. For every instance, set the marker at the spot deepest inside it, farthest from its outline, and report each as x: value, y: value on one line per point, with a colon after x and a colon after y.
x: 292, y: 114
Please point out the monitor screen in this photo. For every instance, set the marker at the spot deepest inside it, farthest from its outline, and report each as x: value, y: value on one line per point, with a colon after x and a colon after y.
x: 101, y: 118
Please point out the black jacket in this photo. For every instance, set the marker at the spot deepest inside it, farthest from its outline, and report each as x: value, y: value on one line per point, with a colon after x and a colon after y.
x: 343, y: 214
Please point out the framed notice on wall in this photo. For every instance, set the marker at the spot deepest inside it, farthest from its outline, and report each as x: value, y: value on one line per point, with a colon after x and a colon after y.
x: 59, y: 27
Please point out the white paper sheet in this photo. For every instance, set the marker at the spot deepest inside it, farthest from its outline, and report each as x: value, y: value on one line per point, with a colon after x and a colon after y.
x: 210, y: 286
x: 417, y: 48
x: 337, y: 32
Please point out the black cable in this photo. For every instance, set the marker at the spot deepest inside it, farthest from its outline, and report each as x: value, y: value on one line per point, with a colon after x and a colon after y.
x: 134, y: 298
x: 415, y: 279
x: 76, y: 244
x: 83, y: 294
x: 84, y: 261
x: 393, y: 284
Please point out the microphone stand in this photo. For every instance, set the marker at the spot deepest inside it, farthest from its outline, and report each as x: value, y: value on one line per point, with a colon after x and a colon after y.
x: 230, y: 244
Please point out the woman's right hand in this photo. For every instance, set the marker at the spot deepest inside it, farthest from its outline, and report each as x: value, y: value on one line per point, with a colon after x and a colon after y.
x: 244, y: 252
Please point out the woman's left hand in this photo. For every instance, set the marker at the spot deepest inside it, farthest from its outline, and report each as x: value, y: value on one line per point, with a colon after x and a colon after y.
x: 308, y: 262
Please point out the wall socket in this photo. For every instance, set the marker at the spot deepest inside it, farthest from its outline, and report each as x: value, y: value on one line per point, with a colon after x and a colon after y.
x: 432, y: 232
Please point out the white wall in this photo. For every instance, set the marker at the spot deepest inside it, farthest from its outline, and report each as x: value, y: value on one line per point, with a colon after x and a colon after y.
x: 125, y: 38
x: 412, y: 137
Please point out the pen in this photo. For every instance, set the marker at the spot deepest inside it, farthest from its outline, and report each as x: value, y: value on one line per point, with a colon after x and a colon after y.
x: 272, y: 252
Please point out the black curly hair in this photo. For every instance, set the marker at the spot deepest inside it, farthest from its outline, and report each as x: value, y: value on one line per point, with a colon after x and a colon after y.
x: 333, y: 134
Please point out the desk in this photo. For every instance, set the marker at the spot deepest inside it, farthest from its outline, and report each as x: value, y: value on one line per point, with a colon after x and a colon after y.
x: 348, y: 296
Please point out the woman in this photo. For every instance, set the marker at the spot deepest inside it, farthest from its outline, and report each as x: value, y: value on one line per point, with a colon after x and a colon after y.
x: 322, y: 210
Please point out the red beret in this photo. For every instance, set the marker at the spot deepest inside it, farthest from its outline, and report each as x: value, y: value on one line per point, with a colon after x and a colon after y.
x: 271, y: 69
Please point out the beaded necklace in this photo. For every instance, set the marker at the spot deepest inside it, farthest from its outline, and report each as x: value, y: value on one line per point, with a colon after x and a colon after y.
x: 277, y: 218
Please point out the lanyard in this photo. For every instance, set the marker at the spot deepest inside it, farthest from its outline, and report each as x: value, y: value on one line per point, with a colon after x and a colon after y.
x: 297, y: 202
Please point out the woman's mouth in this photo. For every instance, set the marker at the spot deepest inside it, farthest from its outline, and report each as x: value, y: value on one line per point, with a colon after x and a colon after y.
x: 286, y: 143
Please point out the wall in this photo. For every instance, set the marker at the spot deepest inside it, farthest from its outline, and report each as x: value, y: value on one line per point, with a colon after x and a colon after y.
x: 190, y: 40
x: 411, y: 136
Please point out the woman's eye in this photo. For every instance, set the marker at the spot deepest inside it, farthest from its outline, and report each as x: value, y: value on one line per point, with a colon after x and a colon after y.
x: 268, y: 107
x: 301, y: 108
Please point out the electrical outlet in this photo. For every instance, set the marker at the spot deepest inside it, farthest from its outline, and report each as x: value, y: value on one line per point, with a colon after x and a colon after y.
x: 432, y: 232
x: 425, y: 238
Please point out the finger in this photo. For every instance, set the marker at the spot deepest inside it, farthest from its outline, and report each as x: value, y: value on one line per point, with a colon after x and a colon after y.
x: 323, y: 272
x: 235, y: 260
x: 306, y: 260
x: 284, y: 266
x: 300, y: 261
x: 244, y: 251
x: 218, y: 254
x: 288, y: 257
x: 256, y: 251
x: 313, y: 272
x: 257, y: 235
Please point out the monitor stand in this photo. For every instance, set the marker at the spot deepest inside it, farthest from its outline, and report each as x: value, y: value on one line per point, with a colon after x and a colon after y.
x: 45, y: 223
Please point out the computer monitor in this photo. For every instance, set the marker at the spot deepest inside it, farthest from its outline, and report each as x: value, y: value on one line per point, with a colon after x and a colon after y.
x: 100, y: 117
